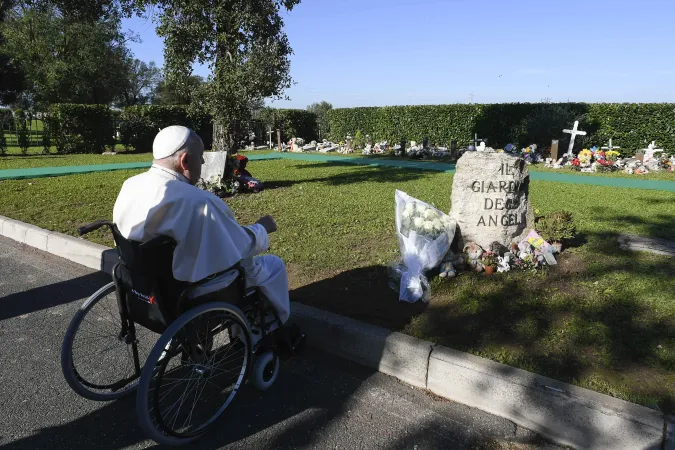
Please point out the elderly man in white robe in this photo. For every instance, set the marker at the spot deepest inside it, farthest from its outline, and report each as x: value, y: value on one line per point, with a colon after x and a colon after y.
x: 164, y: 202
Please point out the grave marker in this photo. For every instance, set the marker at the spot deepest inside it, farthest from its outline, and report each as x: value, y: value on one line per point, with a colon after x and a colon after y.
x: 490, y: 198
x: 554, y: 149
x: 573, y: 132
x: 214, y: 165
x: 609, y: 147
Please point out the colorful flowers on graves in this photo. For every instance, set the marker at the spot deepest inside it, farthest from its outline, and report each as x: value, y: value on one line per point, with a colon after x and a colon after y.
x: 585, y: 157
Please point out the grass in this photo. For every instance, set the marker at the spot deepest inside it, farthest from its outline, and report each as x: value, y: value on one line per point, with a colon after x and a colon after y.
x: 602, y: 319
x: 35, y: 158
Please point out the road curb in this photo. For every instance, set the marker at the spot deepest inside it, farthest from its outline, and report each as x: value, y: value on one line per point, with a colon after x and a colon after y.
x: 88, y: 254
x: 395, y: 354
x: 566, y: 414
x: 561, y: 412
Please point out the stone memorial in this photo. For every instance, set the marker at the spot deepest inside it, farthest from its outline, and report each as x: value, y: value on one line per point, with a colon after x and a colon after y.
x: 214, y: 164
x: 490, y: 199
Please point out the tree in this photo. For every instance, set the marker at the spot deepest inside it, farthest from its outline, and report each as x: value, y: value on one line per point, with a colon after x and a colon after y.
x: 141, y: 82
x: 244, y: 45
x: 320, y: 109
x: 67, y: 57
x: 12, y: 76
x: 168, y: 94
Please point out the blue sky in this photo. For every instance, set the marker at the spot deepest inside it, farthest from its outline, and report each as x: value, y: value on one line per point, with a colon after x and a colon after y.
x: 398, y: 52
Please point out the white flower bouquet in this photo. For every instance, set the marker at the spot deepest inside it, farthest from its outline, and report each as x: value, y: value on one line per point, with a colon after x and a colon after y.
x: 424, y: 235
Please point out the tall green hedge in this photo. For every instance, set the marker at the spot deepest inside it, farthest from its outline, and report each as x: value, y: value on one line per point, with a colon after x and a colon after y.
x: 292, y: 123
x: 630, y: 126
x: 139, y: 125
x: 81, y: 128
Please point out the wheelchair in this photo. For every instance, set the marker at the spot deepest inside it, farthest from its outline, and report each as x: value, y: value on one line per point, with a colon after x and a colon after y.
x: 207, y: 347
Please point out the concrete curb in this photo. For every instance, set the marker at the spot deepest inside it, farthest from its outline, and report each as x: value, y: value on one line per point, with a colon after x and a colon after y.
x: 564, y: 413
x: 395, y: 354
x: 561, y: 412
x: 88, y: 254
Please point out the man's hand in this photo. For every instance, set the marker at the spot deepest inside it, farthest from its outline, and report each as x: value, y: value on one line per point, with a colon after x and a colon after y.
x: 268, y: 223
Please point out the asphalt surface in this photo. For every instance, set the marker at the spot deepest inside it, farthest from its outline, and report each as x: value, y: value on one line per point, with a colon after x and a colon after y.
x: 319, y: 401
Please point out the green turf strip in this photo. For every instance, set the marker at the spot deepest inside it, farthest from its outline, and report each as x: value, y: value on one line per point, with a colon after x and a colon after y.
x: 16, y: 174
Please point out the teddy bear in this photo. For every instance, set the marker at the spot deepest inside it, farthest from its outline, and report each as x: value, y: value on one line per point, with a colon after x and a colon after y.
x: 451, y: 264
x: 473, y: 253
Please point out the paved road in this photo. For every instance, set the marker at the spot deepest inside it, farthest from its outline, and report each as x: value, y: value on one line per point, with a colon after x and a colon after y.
x: 319, y: 401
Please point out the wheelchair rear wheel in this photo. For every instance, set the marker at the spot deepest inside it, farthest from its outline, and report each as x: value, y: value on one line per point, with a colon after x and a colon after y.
x: 98, y: 361
x: 193, y: 373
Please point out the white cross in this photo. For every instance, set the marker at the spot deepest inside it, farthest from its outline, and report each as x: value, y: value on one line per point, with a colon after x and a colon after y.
x: 650, y: 150
x: 610, y: 147
x: 574, y: 132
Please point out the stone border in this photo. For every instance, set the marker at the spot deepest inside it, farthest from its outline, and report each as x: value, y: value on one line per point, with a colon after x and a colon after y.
x: 566, y: 414
x: 88, y: 254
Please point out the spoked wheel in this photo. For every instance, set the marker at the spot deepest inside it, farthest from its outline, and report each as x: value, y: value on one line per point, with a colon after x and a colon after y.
x: 98, y: 361
x: 193, y: 373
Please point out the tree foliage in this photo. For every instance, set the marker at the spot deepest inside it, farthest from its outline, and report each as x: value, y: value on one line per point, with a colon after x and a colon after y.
x: 169, y: 94
x: 244, y: 45
x: 142, y: 80
x: 70, y: 51
x: 320, y: 109
x: 12, y: 76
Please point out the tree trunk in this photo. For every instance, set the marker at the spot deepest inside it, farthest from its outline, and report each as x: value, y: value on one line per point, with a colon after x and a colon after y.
x: 219, y: 138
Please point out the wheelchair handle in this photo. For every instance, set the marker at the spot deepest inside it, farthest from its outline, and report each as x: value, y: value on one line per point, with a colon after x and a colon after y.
x: 93, y: 227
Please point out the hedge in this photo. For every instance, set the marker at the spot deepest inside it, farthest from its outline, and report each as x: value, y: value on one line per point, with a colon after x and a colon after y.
x: 80, y: 128
x: 292, y: 123
x: 139, y: 125
x: 630, y: 125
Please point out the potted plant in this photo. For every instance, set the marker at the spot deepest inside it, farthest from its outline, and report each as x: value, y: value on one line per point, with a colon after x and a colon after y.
x: 489, y: 261
x: 556, y: 227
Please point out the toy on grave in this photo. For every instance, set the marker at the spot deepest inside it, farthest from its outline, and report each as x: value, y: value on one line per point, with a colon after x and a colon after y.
x: 504, y: 263
x: 451, y: 264
x: 246, y: 180
x: 473, y: 253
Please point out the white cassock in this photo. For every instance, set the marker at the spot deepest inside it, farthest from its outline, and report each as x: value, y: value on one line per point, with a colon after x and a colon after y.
x: 162, y: 202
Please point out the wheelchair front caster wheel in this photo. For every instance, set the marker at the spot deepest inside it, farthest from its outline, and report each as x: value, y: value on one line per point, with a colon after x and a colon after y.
x: 265, y: 371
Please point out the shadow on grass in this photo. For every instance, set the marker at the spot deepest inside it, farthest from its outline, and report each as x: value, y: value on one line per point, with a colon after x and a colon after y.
x: 596, y: 318
x: 659, y: 225
x: 360, y: 174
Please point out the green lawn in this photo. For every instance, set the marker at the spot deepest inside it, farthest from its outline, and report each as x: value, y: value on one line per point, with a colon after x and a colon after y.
x: 35, y: 158
x: 603, y: 318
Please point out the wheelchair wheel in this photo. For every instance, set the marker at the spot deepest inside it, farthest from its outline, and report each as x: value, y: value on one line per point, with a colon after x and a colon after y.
x: 265, y: 371
x: 97, y: 362
x: 193, y: 373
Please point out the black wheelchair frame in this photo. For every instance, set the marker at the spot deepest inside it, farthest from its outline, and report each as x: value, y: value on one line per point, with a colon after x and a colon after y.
x: 144, y: 271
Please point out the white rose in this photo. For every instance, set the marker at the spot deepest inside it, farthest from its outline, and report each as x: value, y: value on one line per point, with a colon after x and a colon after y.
x: 438, y: 224
x: 430, y: 214
x: 419, y: 223
x: 428, y: 227
x: 407, y: 213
